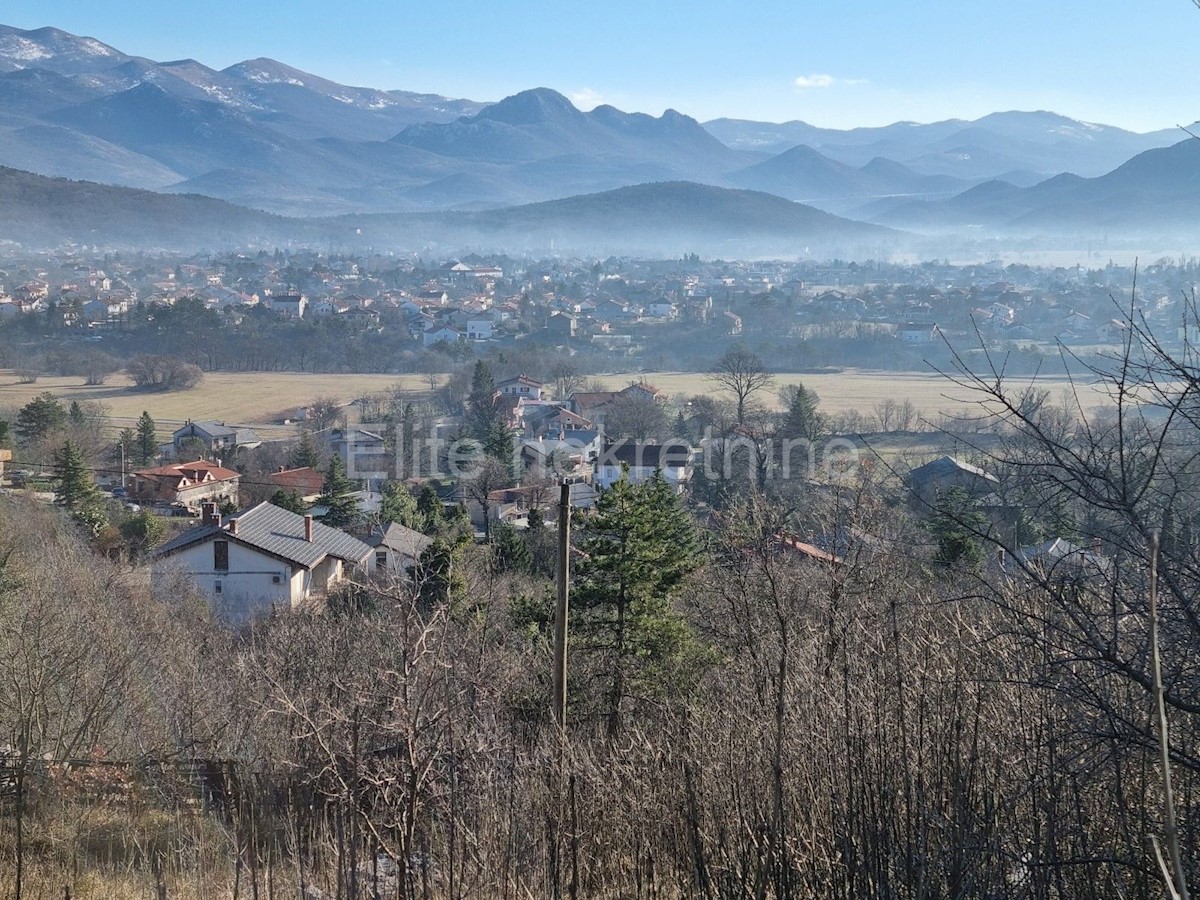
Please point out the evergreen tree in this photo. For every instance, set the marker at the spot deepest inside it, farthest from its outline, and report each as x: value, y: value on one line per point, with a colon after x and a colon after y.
x: 147, y: 440
x: 75, y: 491
x: 802, y: 419
x: 543, y: 549
x: 956, y: 526
x: 498, y: 444
x: 75, y: 413
x: 5, y: 433
x: 637, y: 549
x: 400, y: 506
x: 288, y: 500
x: 432, y: 513
x: 336, y: 496
x: 305, y: 453
x: 510, y: 553
x: 39, y: 417
x: 481, y: 412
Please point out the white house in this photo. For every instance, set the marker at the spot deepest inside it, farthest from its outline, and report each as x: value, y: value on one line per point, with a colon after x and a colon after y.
x: 290, y: 305
x: 259, y: 559
x: 439, y: 335
x: 522, y: 386
x: 916, y: 333
x: 397, y: 548
x: 673, y: 459
x: 480, y: 329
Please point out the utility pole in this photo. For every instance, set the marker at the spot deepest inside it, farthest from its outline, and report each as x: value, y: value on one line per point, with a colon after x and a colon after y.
x: 563, y: 608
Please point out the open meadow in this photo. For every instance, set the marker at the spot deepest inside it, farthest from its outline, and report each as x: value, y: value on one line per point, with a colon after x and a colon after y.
x: 264, y: 399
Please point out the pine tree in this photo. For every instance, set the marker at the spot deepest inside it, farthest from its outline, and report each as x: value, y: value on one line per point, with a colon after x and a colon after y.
x: 481, y: 412
x: 76, y: 492
x: 956, y: 526
x: 305, y: 453
x: 75, y: 414
x: 638, y: 547
x: 337, y: 496
x: 288, y: 500
x: 39, y: 417
x: 802, y: 419
x: 431, y: 510
x: 400, y: 506
x: 510, y: 553
x: 147, y: 440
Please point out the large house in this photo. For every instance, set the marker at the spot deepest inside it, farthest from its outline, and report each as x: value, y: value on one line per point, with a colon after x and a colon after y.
x: 305, y: 482
x: 642, y: 461
x: 946, y: 472
x: 187, y: 484
x: 260, y: 559
x: 217, y: 437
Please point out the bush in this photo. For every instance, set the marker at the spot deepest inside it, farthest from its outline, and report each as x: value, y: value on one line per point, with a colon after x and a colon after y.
x: 163, y: 373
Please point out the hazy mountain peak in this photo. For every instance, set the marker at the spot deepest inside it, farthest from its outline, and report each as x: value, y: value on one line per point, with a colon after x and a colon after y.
x: 264, y: 70
x: 54, y: 49
x: 532, y: 107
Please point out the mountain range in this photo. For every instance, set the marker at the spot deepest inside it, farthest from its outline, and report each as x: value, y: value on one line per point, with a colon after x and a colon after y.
x: 662, y: 218
x: 264, y: 135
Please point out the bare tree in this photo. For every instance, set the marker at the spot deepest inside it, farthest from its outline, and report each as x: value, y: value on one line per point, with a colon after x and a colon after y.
x: 743, y: 374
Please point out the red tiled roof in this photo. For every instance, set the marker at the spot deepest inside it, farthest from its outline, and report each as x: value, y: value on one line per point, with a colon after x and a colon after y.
x: 194, y: 471
x: 304, y: 481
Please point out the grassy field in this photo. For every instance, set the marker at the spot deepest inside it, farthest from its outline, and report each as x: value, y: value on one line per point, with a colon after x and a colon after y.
x: 264, y: 399
x: 853, y: 389
x: 260, y: 399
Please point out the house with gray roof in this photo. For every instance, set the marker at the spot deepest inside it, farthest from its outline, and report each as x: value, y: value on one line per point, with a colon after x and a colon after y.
x: 259, y: 559
x: 397, y: 549
x: 217, y: 437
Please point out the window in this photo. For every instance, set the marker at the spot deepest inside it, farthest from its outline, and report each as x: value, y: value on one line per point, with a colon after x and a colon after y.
x: 221, y: 556
x: 381, y: 559
x: 216, y: 587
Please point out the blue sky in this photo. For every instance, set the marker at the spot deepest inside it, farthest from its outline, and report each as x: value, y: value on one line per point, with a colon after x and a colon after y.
x: 839, y: 63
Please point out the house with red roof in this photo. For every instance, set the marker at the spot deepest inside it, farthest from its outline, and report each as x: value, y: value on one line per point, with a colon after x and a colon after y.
x: 189, y: 484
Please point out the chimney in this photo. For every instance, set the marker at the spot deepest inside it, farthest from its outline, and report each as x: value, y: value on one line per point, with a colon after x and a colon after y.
x: 233, y: 525
x: 1096, y: 545
x: 308, y: 528
x: 209, y: 515
x: 282, y: 469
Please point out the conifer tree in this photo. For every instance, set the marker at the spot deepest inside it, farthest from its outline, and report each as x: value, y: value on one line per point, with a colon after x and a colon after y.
x: 288, y: 500
x: 510, y: 553
x: 337, y: 496
x: 432, y: 513
x: 305, y: 453
x: 76, y: 491
x: 400, y: 506
x: 481, y: 413
x: 802, y: 419
x: 39, y: 417
x: 638, y: 547
x: 147, y: 440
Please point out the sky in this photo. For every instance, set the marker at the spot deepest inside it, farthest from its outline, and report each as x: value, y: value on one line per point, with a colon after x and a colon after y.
x: 840, y: 63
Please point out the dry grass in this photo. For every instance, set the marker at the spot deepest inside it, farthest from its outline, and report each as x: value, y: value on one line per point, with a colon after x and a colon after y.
x: 854, y: 389
x: 264, y: 399
x: 243, y: 398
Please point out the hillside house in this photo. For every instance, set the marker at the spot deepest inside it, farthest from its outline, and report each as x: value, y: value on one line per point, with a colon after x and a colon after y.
x: 946, y: 472
x: 259, y: 559
x: 397, y: 549
x: 290, y: 306
x: 642, y: 461
x: 216, y: 437
x: 186, y: 484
